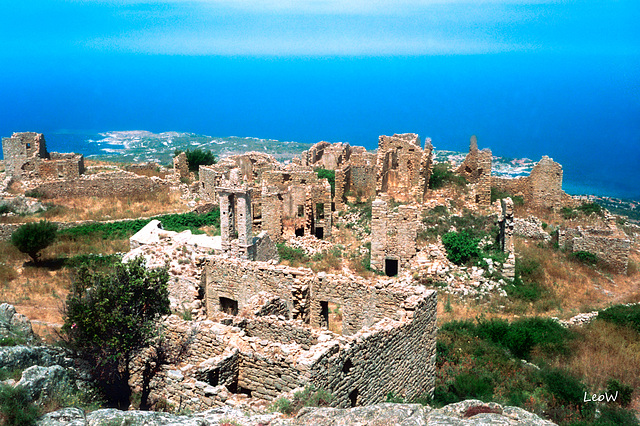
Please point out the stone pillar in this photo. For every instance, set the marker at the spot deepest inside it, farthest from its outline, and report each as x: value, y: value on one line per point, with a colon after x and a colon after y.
x: 378, y: 233
x: 181, y: 166
x: 506, y: 237
x: 245, y: 219
x: 227, y: 220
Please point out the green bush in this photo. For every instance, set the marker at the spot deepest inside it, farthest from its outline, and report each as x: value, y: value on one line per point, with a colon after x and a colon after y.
x: 109, y: 316
x: 15, y: 407
x: 442, y: 175
x: 568, y: 213
x: 624, y: 392
x: 5, y: 208
x: 198, y: 157
x: 625, y: 316
x: 461, y: 247
x: 564, y: 387
x: 588, y: 208
x: 614, y: 416
x: 584, y: 257
x: 309, y: 397
x: 329, y: 175
x: 33, y: 237
x: 292, y: 254
x: 498, y: 194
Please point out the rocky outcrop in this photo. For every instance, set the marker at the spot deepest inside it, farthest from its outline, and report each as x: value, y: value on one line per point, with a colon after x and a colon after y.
x: 15, y: 357
x: 472, y: 412
x: 41, y: 382
x: 15, y: 326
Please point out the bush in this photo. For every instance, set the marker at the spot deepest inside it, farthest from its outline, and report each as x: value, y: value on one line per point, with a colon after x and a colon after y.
x: 15, y: 407
x: 564, y: 387
x: 442, y: 175
x: 198, y: 157
x: 291, y: 254
x: 623, y: 391
x: 625, y: 316
x: 584, y: 257
x: 33, y: 237
x: 588, y: 208
x: 461, y: 247
x: 5, y: 208
x: 329, y: 175
x: 568, y: 213
x: 309, y: 397
x: 109, y: 316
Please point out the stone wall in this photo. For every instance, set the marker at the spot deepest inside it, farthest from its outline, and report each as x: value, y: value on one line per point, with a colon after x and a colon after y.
x: 506, y: 237
x: 611, y: 245
x: 181, y: 167
x: 476, y: 168
x: 230, y: 358
x: 326, y: 155
x: 393, y: 235
x: 26, y: 157
x: 356, y: 179
x: 100, y: 185
x: 403, y: 169
x: 542, y: 188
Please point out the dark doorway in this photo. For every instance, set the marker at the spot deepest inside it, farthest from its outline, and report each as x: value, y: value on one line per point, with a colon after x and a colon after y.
x: 299, y: 232
x: 320, y: 211
x: 347, y: 366
x: 213, y: 377
x: 228, y: 306
x: 391, y: 267
x: 319, y: 232
x: 324, y: 314
x: 353, y: 397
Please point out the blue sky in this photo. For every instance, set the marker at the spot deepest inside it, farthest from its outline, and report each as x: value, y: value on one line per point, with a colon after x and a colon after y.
x: 317, y: 27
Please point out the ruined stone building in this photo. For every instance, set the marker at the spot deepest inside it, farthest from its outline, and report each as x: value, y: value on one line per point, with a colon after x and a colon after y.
x: 356, y: 178
x: 269, y: 332
x: 26, y: 157
x: 296, y: 203
x: 610, y: 244
x: 393, y: 236
x: 542, y: 188
x: 506, y: 237
x: 327, y: 155
x: 181, y: 166
x: 403, y: 168
x: 476, y: 169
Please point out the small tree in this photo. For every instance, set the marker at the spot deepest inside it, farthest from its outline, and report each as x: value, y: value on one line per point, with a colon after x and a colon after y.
x: 108, y: 317
x: 198, y: 157
x: 33, y: 237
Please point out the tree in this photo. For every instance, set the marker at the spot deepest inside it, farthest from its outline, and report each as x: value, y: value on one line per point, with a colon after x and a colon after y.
x: 110, y: 316
x: 32, y: 237
x: 198, y: 157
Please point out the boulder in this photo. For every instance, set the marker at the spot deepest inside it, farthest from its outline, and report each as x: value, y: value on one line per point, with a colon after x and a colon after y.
x: 45, y: 381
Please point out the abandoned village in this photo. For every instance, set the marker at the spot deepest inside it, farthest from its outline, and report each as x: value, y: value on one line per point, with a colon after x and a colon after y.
x: 259, y: 328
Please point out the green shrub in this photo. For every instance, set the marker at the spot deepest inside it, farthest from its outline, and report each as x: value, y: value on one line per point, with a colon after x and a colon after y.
x: 34, y: 193
x: 584, y: 257
x: 5, y: 208
x: 614, y: 416
x: 461, y: 247
x: 498, y: 194
x: 564, y: 387
x: 109, y: 316
x: 588, y: 208
x: 329, y: 175
x: 198, y: 157
x: 624, y: 392
x: 442, y: 175
x: 568, y: 213
x: 518, y: 200
x: 309, y: 397
x: 625, y: 316
x: 281, y: 405
x: 16, y: 408
x: 292, y: 254
x: 33, y: 237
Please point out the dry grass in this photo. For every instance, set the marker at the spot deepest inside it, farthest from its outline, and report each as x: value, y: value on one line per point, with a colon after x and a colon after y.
x: 113, y: 208
x: 604, y: 352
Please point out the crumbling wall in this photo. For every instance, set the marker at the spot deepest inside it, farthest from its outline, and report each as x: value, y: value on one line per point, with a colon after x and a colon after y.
x: 610, y: 245
x: 403, y: 169
x: 393, y: 235
x: 26, y: 157
x: 476, y: 169
x: 296, y: 202
x: 357, y: 178
x: 506, y: 237
x: 542, y: 188
x: 101, y: 185
x: 326, y: 155
x: 181, y: 167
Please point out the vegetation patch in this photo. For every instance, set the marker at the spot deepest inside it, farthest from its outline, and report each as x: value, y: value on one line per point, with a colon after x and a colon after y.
x: 624, y: 316
x: 461, y: 247
x: 329, y: 175
x: 585, y: 257
x: 309, y: 397
x: 198, y: 157
x: 33, y: 237
x: 442, y: 176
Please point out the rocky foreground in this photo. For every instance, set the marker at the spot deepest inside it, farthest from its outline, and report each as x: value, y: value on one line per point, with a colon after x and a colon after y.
x: 471, y: 412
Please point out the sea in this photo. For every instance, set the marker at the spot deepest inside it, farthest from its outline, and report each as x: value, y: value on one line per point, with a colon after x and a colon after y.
x: 582, y: 110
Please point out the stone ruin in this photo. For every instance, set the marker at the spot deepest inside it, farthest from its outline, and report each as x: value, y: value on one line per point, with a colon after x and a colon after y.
x: 506, y: 237
x: 326, y: 155
x: 610, y: 244
x: 542, y: 188
x: 181, y: 167
x: 269, y: 331
x: 296, y: 203
x: 403, y: 168
x: 393, y: 236
x: 26, y: 157
x: 476, y: 169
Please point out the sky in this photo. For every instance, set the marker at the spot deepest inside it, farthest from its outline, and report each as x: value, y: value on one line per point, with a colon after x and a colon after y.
x: 68, y: 28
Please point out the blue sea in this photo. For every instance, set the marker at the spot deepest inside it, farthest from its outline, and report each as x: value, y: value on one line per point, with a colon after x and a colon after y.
x: 581, y: 110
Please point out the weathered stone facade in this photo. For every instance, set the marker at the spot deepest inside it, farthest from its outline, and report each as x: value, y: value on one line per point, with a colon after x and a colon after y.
x: 356, y: 178
x: 296, y: 202
x: 278, y: 341
x: 506, y: 237
x: 393, y: 236
x: 403, y: 168
x: 476, y: 168
x: 326, y: 155
x: 26, y: 157
x: 181, y: 167
x: 101, y: 185
x: 542, y: 188
x: 611, y: 245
